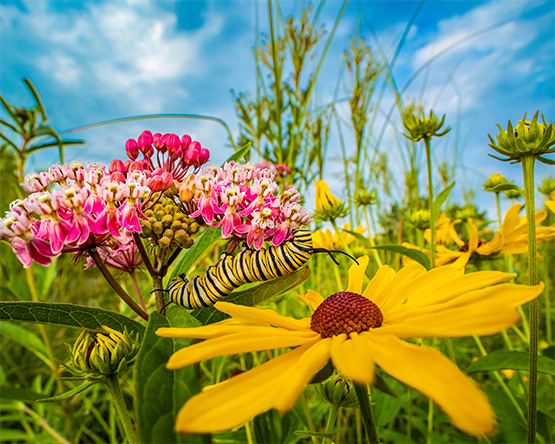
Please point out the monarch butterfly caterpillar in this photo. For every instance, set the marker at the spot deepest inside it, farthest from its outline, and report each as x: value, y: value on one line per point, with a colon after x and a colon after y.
x: 248, y: 265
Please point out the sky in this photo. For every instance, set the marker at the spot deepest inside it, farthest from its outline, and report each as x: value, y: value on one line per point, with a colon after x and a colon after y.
x: 93, y: 61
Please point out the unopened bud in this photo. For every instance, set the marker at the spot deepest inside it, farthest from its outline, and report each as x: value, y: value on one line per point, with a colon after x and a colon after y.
x: 145, y: 141
x: 132, y: 149
x: 117, y: 165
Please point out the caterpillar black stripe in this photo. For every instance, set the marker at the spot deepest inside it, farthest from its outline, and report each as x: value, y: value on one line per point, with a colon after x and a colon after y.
x: 248, y: 265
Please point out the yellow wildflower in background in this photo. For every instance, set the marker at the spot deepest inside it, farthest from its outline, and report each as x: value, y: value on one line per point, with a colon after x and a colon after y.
x: 328, y: 207
x: 357, y: 329
x: 551, y: 203
x: 330, y: 240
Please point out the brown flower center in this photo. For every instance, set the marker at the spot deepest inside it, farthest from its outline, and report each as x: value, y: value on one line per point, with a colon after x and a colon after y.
x: 345, y: 312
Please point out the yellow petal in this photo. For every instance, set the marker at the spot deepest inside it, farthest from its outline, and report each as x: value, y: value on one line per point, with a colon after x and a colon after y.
x: 356, y: 275
x: 259, y: 316
x: 381, y: 280
x: 312, y: 299
x: 241, y: 397
x: 435, y: 376
x: 481, y: 312
x: 353, y: 357
x: 204, y: 332
x: 249, y: 340
x: 395, y: 292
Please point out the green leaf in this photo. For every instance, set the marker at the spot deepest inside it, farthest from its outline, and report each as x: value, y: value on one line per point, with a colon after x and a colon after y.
x: 188, y: 257
x: 13, y: 435
x: 26, y: 338
x: 324, y: 373
x: 510, y: 360
x: 69, y: 394
x: 161, y: 392
x: 67, y: 315
x: 10, y: 393
x: 237, y: 155
x: 413, y: 253
x: 505, y: 187
x: 381, y: 384
x: 439, y: 200
x: 254, y: 295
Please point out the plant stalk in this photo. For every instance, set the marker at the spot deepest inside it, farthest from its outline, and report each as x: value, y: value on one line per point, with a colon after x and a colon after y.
x: 115, y: 390
x: 431, y: 200
x: 366, y: 413
x: 528, y: 173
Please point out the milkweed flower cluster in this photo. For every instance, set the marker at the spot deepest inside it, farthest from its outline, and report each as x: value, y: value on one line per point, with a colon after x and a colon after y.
x: 245, y: 200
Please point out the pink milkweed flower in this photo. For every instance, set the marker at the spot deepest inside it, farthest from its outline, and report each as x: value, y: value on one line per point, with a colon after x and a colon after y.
x: 260, y: 227
x: 82, y: 224
x: 37, y: 181
x: 32, y: 249
x: 208, y: 202
x: 232, y: 197
x: 185, y: 141
x: 58, y: 174
x: 161, y: 180
x: 144, y: 141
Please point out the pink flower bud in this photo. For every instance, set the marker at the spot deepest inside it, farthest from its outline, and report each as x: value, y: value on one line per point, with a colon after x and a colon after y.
x: 158, y: 171
x: 144, y: 164
x: 191, y: 156
x: 156, y: 140
x: 117, y: 165
x: 117, y: 176
x: 173, y: 143
x: 149, y: 153
x: 160, y: 182
x: 203, y: 156
x: 132, y: 149
x: 145, y: 141
x: 178, y: 154
x: 195, y: 145
x: 185, y: 141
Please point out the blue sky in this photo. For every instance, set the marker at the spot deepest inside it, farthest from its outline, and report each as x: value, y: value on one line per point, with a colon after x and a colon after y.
x: 94, y: 61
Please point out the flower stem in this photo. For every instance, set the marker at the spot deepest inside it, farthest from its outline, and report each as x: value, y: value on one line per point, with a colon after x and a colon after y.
x: 114, y: 284
x: 158, y: 293
x: 330, y: 424
x: 338, y: 231
x: 366, y: 413
x: 431, y: 200
x: 137, y: 290
x: 115, y: 390
x: 528, y: 173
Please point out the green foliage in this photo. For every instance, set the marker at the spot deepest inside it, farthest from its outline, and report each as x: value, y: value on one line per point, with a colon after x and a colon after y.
x: 67, y: 315
x: 513, y: 360
x: 161, y: 392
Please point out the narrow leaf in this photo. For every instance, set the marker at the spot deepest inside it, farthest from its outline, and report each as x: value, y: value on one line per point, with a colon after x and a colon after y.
x: 413, y: 253
x: 506, y: 187
x: 161, y: 392
x: 188, y: 257
x: 237, y: 155
x: 510, y: 360
x: 26, y: 338
x: 71, y: 393
x: 254, y: 295
x: 10, y: 393
x: 439, y: 200
x: 67, y: 315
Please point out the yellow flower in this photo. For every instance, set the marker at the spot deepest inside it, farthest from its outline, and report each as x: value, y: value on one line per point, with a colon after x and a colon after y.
x: 551, y: 203
x: 357, y: 329
x: 330, y: 240
x: 328, y: 207
x: 512, y: 238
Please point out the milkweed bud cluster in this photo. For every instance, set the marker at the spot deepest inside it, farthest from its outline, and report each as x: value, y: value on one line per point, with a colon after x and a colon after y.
x: 167, y: 226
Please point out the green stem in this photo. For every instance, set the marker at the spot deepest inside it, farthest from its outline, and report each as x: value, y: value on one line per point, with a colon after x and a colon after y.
x: 430, y: 427
x: 499, y: 220
x: 338, y: 231
x: 431, y: 200
x: 158, y: 286
x: 371, y: 237
x: 115, y: 390
x: 528, y: 173
x: 366, y: 413
x: 330, y: 424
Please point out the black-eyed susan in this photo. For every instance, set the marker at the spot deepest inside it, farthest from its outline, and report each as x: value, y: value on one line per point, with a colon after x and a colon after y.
x: 357, y: 329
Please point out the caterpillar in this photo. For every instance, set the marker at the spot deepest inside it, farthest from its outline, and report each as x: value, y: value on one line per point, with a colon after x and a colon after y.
x: 231, y: 272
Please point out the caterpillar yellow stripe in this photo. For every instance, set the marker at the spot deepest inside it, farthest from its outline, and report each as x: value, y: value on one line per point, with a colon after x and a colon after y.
x: 248, y: 265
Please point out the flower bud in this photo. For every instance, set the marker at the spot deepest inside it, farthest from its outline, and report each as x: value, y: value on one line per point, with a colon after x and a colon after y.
x: 203, y: 156
x: 494, y: 180
x: 132, y: 149
x: 117, y: 165
x: 185, y: 141
x: 328, y: 207
x: 423, y: 127
x: 365, y: 198
x: 116, y: 176
x: 145, y: 141
x: 420, y: 219
x: 173, y: 143
x: 529, y: 138
x: 103, y: 352
x: 191, y: 156
x: 337, y: 391
x: 547, y: 186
